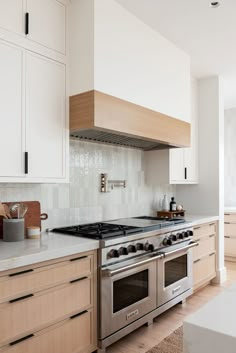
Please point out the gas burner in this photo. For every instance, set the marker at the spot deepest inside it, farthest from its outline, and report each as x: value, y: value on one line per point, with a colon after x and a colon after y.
x: 98, y: 230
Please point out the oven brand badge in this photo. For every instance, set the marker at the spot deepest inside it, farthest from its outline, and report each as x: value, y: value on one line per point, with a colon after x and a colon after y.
x: 132, y: 314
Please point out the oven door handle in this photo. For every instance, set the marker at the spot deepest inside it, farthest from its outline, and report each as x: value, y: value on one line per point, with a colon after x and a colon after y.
x: 189, y: 246
x: 112, y: 273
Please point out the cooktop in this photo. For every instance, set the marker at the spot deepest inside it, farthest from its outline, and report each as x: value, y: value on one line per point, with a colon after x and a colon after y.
x: 116, y: 228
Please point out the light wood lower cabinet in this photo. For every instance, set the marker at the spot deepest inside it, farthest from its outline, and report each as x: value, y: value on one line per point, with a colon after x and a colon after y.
x: 230, y: 236
x: 204, y: 255
x: 59, y: 319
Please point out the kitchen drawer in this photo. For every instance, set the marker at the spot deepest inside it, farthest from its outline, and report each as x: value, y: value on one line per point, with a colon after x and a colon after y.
x: 230, y: 217
x: 204, y: 230
x: 70, y: 336
x: 29, y: 314
x: 204, y: 270
x: 207, y: 245
x: 230, y: 245
x: 22, y: 282
x: 230, y: 229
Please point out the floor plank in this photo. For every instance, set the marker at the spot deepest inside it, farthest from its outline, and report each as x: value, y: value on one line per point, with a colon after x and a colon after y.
x: 145, y: 338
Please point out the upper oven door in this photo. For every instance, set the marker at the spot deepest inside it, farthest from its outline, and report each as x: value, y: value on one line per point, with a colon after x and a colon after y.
x: 174, y: 274
x: 126, y: 293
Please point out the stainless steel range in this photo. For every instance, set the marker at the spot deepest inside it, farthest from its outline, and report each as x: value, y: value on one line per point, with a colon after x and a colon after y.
x: 145, y: 267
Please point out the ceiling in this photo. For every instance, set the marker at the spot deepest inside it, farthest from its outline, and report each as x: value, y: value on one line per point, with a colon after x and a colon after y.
x: 206, y: 34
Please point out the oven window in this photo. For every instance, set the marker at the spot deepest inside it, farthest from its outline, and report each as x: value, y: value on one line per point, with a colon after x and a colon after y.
x: 175, y: 270
x: 129, y: 290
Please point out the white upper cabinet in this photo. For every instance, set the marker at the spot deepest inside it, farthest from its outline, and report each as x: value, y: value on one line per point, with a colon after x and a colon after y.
x: 11, y: 111
x: 47, y: 23
x: 37, y: 25
x: 45, y: 117
x: 11, y: 15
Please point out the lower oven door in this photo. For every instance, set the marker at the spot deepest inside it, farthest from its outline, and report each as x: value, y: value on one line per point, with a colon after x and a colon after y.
x: 126, y: 294
x: 175, y: 275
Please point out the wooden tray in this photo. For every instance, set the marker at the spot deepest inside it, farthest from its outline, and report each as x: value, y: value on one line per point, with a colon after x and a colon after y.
x: 171, y: 214
x: 33, y: 216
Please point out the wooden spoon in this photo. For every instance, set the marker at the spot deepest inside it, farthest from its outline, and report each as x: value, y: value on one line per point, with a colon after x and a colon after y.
x: 7, y: 210
x: 2, y: 211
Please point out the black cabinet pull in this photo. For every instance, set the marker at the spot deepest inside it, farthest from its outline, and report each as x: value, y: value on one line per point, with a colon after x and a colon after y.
x: 79, y: 314
x: 185, y: 173
x: 21, y: 339
x: 26, y: 162
x: 27, y: 23
x: 21, y: 298
x: 20, y: 273
x: 78, y: 279
x: 78, y: 258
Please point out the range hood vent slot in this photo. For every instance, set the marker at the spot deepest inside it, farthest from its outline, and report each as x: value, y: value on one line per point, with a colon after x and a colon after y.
x: 115, y: 139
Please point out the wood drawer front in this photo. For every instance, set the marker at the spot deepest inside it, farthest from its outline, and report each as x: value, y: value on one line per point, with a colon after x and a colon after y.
x: 230, y: 217
x: 230, y: 229
x: 230, y: 246
x: 70, y: 336
x: 204, y: 230
x: 44, y: 308
x: 204, y: 269
x: 32, y: 280
x: 207, y: 245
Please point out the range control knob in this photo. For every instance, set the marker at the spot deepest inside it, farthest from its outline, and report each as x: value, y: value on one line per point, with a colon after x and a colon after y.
x: 123, y: 251
x: 190, y: 233
x: 131, y: 248
x: 139, y: 246
x: 173, y: 237
x: 165, y: 241
x: 146, y: 247
x: 186, y: 234
x: 150, y: 247
x: 169, y: 241
x: 113, y: 253
x: 180, y: 235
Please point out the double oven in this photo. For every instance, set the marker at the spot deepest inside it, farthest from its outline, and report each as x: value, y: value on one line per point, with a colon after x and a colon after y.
x: 131, y: 289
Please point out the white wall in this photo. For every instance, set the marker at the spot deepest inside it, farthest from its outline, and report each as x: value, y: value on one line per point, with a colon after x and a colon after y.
x: 208, y: 196
x: 230, y: 158
x: 131, y: 61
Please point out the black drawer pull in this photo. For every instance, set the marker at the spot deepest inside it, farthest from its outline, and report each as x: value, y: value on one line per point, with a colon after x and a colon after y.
x: 21, y: 339
x: 196, y: 261
x: 26, y: 163
x: 211, y: 224
x: 21, y: 298
x: 212, y: 254
x: 78, y: 279
x: 20, y: 273
x: 212, y: 235
x: 27, y: 23
x: 185, y: 173
x: 197, y: 228
x: 78, y: 258
x: 79, y: 314
x: 227, y: 222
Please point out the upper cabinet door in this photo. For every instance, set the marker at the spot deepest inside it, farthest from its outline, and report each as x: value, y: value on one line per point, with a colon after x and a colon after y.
x: 47, y: 23
x: 176, y: 165
x: 12, y: 16
x: 11, y: 111
x: 45, y: 117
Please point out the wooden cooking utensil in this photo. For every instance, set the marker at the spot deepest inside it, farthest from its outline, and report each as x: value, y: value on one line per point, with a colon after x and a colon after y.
x: 2, y: 211
x: 7, y: 211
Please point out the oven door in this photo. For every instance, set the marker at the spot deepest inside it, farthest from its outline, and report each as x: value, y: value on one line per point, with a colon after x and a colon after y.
x: 175, y: 274
x: 127, y: 292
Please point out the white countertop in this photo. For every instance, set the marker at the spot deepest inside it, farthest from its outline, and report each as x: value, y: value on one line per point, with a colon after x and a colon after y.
x: 50, y: 246
x: 230, y: 209
x: 212, y: 328
x: 200, y: 219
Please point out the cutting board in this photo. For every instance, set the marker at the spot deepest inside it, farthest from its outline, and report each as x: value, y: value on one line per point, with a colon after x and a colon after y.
x: 33, y: 216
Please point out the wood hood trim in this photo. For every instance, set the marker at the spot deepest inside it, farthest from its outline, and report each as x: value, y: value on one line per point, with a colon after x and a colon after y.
x: 99, y: 111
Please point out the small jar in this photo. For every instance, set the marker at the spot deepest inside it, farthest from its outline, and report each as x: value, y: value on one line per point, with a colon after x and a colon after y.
x: 33, y: 232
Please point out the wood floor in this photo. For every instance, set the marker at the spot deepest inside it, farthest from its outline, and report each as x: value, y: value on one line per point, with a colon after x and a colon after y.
x: 145, y: 338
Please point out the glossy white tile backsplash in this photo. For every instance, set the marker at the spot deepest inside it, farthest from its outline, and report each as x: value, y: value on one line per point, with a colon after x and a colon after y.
x: 81, y: 199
